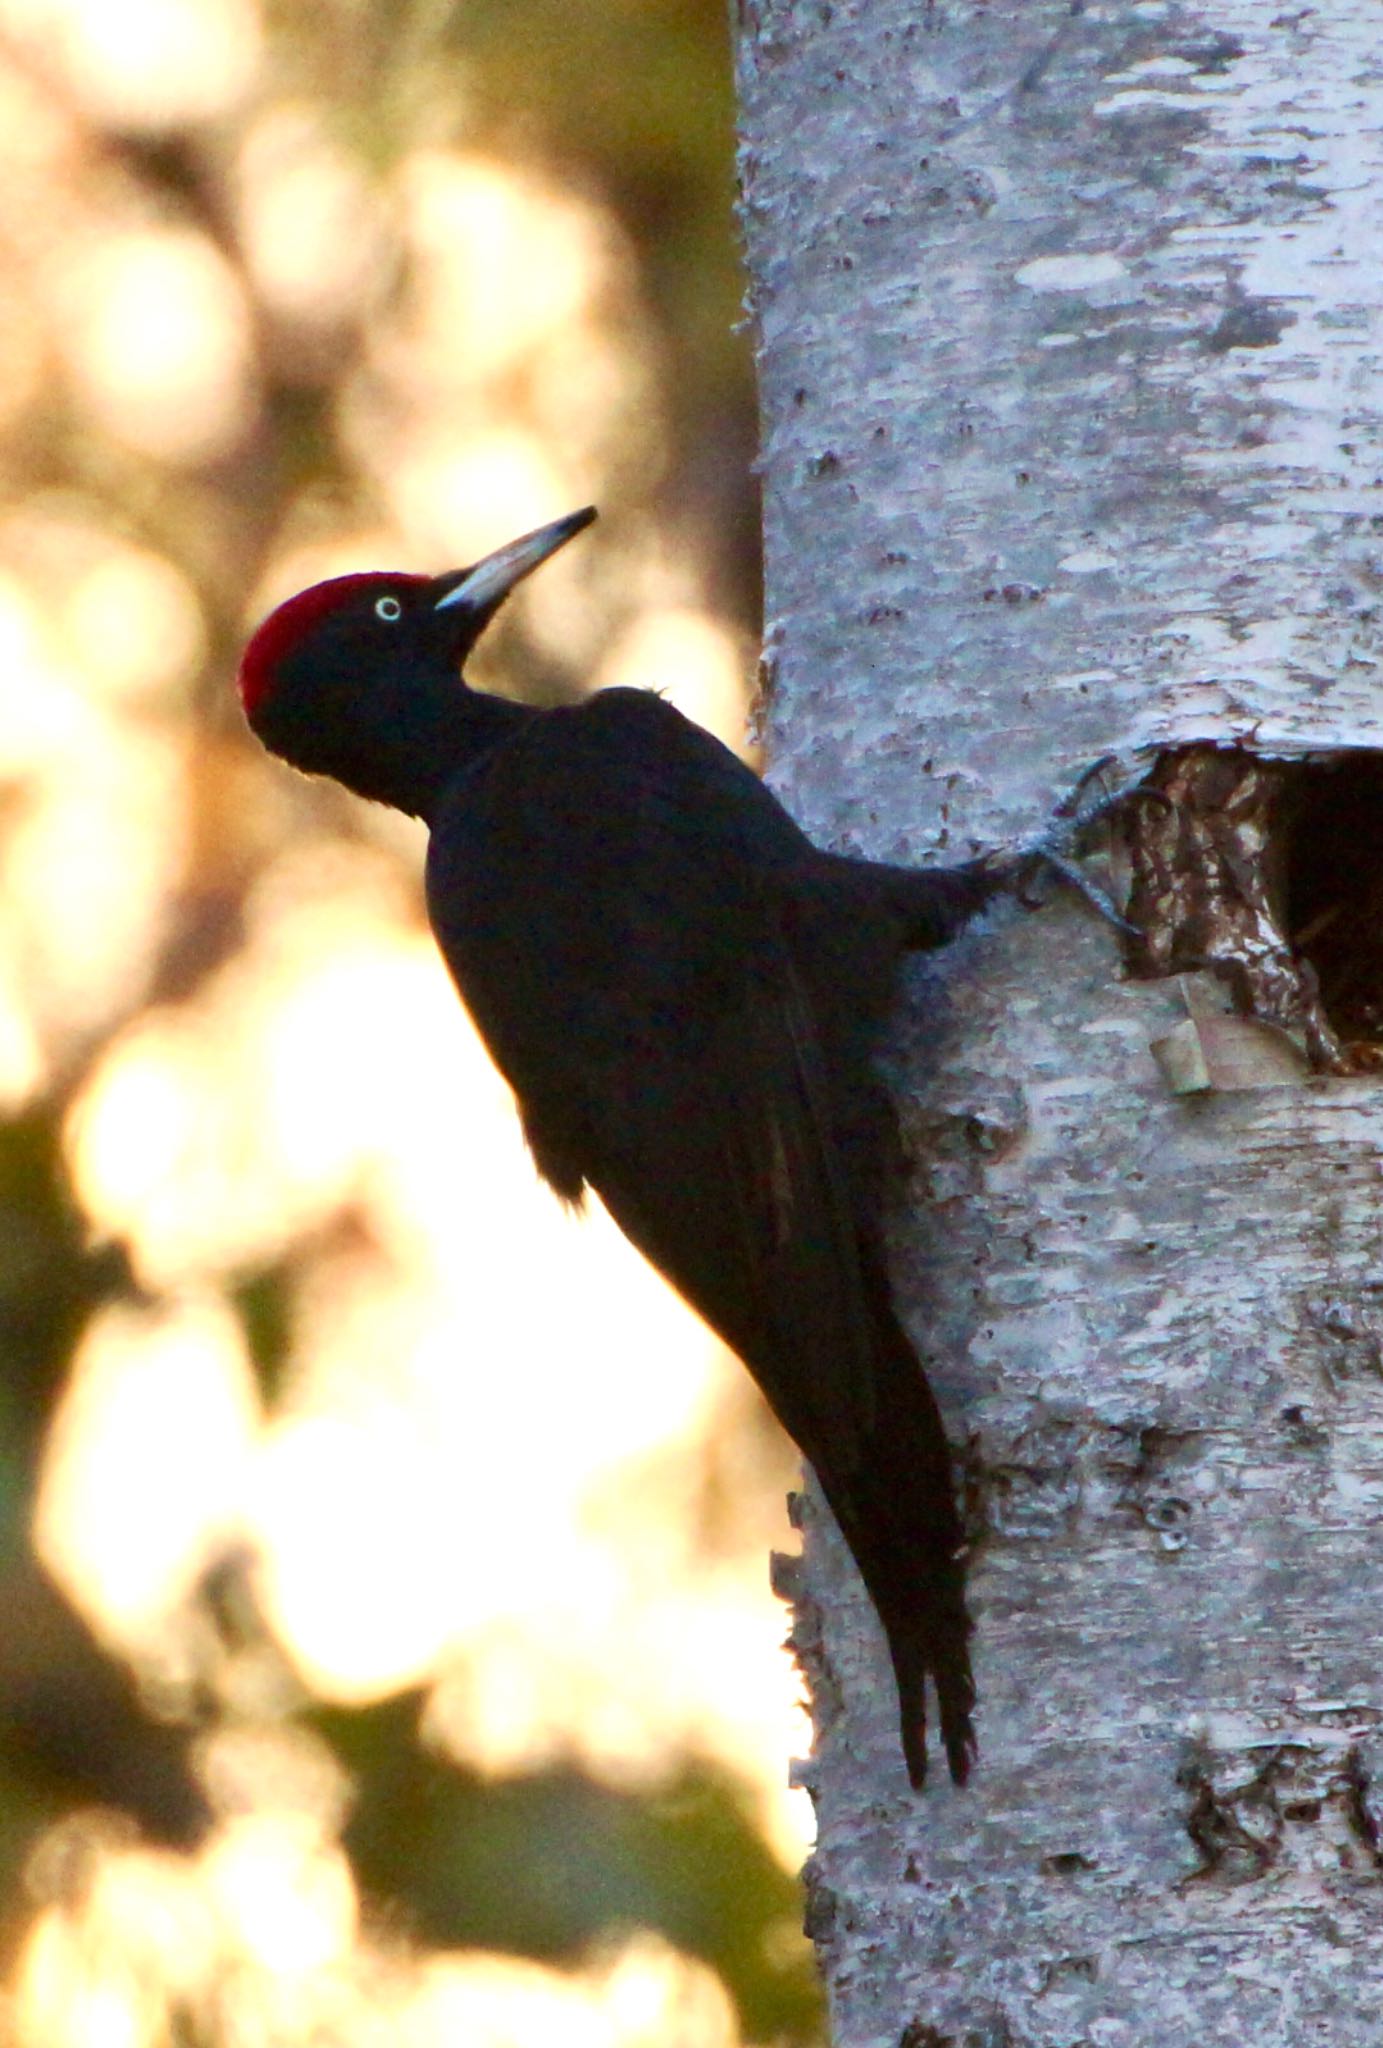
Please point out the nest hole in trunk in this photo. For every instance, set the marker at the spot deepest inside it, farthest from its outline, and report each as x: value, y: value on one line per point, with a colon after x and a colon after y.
x: 1268, y: 873
x: 1332, y: 888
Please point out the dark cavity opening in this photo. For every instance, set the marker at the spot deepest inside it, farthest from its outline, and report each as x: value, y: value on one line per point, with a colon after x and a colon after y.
x: 1332, y: 886
x: 1268, y: 873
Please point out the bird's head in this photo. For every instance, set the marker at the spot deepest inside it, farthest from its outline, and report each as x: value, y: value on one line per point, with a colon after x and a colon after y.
x: 360, y: 677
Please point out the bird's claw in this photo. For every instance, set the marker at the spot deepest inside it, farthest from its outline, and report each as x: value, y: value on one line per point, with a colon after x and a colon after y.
x: 1072, y: 803
x: 1056, y: 863
x: 1083, y: 816
x: 1058, y: 854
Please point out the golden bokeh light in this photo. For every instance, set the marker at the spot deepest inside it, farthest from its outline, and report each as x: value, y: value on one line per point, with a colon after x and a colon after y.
x: 211, y: 1134
x: 507, y: 265
x: 42, y: 716
x: 151, y: 1441
x: 283, y: 1896
x: 645, y: 1996
x: 89, y: 867
x: 134, y: 626
x: 145, y: 65
x: 263, y: 1933
x: 457, y: 494
x: 514, y: 376
x: 23, y: 1068
x: 309, y: 220
x: 101, y: 1969
x: 156, y: 334
x: 482, y: 1464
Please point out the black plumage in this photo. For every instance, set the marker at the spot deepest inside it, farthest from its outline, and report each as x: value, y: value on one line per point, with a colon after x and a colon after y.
x: 684, y: 994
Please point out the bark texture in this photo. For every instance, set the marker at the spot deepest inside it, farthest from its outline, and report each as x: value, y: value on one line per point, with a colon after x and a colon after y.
x: 1069, y: 322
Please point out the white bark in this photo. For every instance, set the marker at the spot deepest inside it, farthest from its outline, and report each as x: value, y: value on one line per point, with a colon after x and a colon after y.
x: 1069, y: 323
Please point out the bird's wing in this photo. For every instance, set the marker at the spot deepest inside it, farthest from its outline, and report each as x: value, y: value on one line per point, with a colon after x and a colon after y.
x: 766, y: 1246
x: 613, y: 895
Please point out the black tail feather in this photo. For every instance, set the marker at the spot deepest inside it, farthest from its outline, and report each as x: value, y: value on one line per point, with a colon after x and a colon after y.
x: 936, y: 1646
x: 897, y: 1512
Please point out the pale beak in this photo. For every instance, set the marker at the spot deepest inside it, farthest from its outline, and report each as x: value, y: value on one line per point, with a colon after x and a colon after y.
x: 480, y: 589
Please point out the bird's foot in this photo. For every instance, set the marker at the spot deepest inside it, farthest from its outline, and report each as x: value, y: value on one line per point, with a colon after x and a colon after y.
x: 1076, y: 805
x: 1060, y: 851
x: 1048, y: 860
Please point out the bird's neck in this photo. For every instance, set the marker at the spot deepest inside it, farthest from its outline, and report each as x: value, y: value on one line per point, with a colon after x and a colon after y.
x: 470, y: 728
x: 470, y: 725
x: 407, y: 760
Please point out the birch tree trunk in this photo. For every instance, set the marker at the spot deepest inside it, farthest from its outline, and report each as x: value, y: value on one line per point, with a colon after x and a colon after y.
x: 1069, y: 320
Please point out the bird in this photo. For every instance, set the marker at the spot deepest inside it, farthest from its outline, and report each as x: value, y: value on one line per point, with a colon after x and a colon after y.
x: 685, y: 995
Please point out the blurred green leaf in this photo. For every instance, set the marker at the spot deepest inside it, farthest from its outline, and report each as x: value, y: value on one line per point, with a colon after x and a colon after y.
x: 549, y: 1864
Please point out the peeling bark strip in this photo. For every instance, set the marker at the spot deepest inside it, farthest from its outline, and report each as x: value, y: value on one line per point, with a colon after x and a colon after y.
x: 1070, y: 330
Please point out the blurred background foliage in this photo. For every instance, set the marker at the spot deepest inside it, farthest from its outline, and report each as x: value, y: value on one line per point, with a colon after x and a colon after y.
x: 386, y: 1648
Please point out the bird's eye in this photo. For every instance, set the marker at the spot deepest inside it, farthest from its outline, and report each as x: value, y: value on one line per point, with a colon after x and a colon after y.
x: 388, y: 608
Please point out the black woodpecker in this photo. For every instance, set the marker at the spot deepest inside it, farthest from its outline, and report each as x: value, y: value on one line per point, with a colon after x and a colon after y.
x: 684, y: 994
